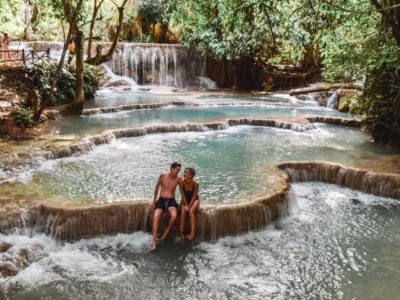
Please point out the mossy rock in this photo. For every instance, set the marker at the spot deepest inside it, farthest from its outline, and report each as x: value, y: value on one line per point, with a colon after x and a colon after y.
x: 349, y: 102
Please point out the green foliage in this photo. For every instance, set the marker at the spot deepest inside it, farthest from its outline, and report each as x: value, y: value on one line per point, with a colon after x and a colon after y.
x: 228, y: 29
x: 381, y: 98
x: 12, y: 17
x: 23, y: 117
x: 150, y: 12
x: 91, y: 81
x: 40, y: 76
x: 351, y: 103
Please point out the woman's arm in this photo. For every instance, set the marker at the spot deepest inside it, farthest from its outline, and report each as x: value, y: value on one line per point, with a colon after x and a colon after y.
x: 182, y: 193
x: 195, y: 193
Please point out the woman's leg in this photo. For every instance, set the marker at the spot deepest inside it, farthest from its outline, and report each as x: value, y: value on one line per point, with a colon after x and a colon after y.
x: 192, y: 214
x: 182, y: 222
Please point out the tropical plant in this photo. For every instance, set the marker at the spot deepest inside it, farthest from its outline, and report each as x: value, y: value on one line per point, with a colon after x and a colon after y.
x: 23, y: 117
x: 40, y: 77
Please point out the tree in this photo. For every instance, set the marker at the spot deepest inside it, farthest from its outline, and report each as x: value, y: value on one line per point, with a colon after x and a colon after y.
x: 390, y: 11
x: 101, y: 58
x: 73, y: 14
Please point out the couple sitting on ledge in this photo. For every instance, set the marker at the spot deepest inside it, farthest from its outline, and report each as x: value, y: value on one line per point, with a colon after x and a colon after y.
x: 189, y: 204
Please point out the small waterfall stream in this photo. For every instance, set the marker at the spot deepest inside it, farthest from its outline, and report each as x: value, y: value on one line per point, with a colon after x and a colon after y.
x: 332, y: 101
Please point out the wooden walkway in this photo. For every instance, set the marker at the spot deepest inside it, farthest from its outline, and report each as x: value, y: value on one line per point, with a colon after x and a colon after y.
x: 15, y: 58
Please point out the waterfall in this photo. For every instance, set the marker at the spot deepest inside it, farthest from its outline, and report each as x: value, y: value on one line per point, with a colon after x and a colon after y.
x: 113, y: 79
x: 332, y: 101
x: 383, y: 185
x: 150, y: 63
x: 156, y: 64
x: 81, y: 221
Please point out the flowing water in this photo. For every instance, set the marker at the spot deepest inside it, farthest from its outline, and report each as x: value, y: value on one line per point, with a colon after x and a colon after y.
x: 127, y: 168
x: 334, y: 244
x: 155, y: 64
x: 199, y: 109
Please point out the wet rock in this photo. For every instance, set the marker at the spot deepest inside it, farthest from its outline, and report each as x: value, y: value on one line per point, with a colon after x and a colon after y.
x: 8, y: 269
x: 117, y: 83
x: 26, y: 255
x: 5, y: 200
x: 43, y: 118
x: 384, y: 185
x: 205, y: 83
x: 52, y: 114
x: 4, y: 246
x: 355, y: 201
x: 322, y: 98
x: 5, y: 105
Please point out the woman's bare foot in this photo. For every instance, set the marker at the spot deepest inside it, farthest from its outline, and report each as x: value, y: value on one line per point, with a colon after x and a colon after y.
x: 190, y: 237
x: 164, y: 236
x: 181, y: 236
x: 153, y: 246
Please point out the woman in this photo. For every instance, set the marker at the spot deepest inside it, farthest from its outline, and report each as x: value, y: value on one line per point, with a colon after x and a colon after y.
x: 5, y: 42
x: 190, y: 202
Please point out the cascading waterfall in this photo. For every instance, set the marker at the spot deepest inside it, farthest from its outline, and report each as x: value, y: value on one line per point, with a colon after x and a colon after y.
x: 116, y: 79
x: 75, y: 222
x: 332, y: 101
x: 156, y: 64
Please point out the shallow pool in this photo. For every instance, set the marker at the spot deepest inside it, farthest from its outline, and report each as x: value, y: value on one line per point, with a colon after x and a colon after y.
x: 85, y: 125
x: 231, y: 163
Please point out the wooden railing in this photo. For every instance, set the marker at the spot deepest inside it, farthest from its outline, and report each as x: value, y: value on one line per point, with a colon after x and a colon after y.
x: 22, y: 57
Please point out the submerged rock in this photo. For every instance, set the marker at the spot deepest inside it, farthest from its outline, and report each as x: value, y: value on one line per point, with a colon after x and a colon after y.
x: 4, y: 246
x: 16, y: 259
x: 8, y: 269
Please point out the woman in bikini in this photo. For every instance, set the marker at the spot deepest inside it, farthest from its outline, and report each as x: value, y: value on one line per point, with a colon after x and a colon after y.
x: 190, y: 202
x: 5, y: 42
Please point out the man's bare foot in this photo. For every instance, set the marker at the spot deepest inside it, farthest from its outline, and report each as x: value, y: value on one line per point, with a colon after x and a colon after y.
x: 190, y: 237
x: 153, y: 246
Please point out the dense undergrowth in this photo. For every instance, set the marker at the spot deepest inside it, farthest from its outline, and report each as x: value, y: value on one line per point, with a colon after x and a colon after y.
x: 381, y: 102
x: 40, y: 77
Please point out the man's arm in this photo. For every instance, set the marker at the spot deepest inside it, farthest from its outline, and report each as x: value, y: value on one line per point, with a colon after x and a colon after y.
x: 156, y: 189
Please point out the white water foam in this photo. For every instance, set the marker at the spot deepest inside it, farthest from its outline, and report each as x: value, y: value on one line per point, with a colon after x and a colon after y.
x: 82, y: 260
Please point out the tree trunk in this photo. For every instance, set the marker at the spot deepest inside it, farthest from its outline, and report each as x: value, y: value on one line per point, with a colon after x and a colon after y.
x: 96, y: 9
x: 28, y: 21
x: 324, y: 88
x: 390, y: 11
x: 102, y: 58
x: 77, y: 103
x: 44, y: 102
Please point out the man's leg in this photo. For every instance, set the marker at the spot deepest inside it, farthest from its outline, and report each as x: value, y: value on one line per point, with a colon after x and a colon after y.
x: 156, y: 220
x: 172, y: 218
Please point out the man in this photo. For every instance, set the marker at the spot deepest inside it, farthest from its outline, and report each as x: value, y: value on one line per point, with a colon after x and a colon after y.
x: 168, y: 183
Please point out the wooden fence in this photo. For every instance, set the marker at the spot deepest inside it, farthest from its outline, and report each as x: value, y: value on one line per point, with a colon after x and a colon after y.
x: 22, y: 57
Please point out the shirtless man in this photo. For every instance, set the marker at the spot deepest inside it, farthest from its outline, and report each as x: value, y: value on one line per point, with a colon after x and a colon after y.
x: 168, y: 183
